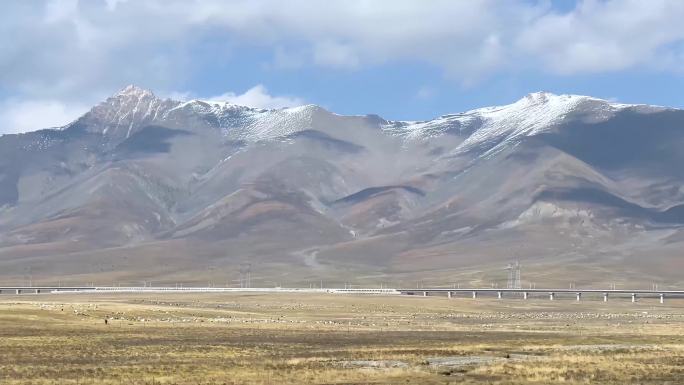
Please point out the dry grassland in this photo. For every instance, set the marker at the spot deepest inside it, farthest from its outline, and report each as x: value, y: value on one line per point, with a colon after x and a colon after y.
x: 336, y: 339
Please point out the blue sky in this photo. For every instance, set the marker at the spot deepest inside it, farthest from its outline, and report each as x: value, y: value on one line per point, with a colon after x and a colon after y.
x: 400, y: 59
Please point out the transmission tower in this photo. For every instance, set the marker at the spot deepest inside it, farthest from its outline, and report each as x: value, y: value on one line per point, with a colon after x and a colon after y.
x: 246, y: 275
x: 509, y: 270
x: 513, y: 275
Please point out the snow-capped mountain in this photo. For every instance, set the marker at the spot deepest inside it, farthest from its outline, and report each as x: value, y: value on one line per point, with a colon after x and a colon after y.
x: 536, y: 113
x: 144, y: 186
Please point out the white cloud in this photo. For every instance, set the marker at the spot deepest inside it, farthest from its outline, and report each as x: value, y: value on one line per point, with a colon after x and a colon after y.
x: 336, y: 55
x: 605, y: 36
x: 178, y: 95
x: 76, y: 51
x: 259, y: 97
x: 425, y: 93
x: 30, y: 115
x: 56, y: 10
x: 119, y: 42
x: 287, y: 59
x: 111, y: 4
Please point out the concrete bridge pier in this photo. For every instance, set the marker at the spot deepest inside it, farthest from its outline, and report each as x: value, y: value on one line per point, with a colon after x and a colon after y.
x: 579, y: 297
x: 18, y: 291
x: 474, y: 295
x: 552, y: 296
x: 526, y: 295
x: 425, y: 294
x: 499, y: 295
x: 449, y: 294
x: 605, y: 297
x: 634, y: 297
x: 662, y: 298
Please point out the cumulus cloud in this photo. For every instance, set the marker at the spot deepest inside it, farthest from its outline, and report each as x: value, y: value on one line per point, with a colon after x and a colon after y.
x: 30, y: 115
x: 77, y: 51
x: 602, y: 36
x: 259, y: 97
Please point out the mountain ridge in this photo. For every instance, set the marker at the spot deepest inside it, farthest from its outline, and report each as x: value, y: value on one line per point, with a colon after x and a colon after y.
x: 562, y: 104
x: 200, y: 187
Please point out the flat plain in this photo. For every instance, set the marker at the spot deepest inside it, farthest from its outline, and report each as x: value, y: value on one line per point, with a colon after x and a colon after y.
x: 337, y: 339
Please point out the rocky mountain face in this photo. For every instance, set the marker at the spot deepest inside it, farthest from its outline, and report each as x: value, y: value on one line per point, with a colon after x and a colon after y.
x: 139, y: 188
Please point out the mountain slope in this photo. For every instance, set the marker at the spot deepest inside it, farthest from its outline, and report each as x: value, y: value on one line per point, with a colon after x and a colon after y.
x: 573, y: 186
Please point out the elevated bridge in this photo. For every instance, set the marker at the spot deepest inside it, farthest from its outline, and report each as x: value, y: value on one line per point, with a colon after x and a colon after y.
x: 552, y: 294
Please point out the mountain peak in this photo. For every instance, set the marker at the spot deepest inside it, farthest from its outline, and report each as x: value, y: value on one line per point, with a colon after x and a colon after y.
x: 540, y: 95
x: 533, y: 114
x: 133, y: 90
x: 126, y: 111
x: 544, y: 97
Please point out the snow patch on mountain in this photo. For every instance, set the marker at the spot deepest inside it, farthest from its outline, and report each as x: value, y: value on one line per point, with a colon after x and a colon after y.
x: 121, y: 114
x: 491, y: 127
x: 531, y: 115
x: 543, y: 212
x: 251, y: 124
x: 272, y: 124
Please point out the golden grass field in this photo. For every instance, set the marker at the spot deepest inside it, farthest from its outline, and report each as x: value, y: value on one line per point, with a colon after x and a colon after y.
x: 336, y: 339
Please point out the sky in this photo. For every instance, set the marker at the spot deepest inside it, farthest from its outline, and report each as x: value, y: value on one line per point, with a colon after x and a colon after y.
x: 403, y: 60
